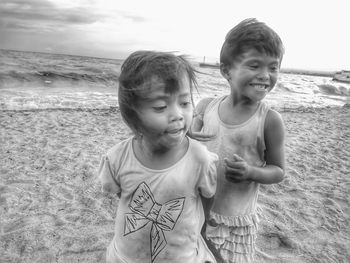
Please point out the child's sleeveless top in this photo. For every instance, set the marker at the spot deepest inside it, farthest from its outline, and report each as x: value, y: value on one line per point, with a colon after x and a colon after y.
x: 236, y: 203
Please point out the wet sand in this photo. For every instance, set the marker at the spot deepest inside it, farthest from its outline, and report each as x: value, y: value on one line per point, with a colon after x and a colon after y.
x: 52, y: 209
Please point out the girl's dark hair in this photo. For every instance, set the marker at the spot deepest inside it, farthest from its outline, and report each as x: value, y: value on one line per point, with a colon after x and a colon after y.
x: 250, y: 34
x: 135, y: 80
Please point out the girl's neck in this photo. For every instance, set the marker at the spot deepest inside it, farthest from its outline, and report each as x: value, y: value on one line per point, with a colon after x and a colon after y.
x: 235, y: 112
x: 237, y: 100
x: 158, y: 158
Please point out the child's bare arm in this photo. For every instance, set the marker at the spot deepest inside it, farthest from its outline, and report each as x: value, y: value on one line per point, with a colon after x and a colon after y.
x: 274, y: 155
x: 197, y: 122
x: 238, y: 169
x: 214, y: 251
x: 207, y: 203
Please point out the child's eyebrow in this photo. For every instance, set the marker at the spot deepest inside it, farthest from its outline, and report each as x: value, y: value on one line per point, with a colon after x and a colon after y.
x: 153, y: 98
x: 258, y: 60
x: 166, y: 96
x: 156, y: 97
x: 186, y: 94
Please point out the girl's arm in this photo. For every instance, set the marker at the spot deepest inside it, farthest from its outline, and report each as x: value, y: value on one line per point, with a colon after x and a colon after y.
x: 274, y: 155
x: 207, y: 204
x: 197, y: 122
x: 238, y: 170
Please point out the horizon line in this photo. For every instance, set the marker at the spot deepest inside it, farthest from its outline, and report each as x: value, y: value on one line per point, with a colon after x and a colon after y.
x: 284, y: 68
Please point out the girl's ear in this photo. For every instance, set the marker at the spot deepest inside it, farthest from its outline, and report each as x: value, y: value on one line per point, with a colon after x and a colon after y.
x: 224, y: 71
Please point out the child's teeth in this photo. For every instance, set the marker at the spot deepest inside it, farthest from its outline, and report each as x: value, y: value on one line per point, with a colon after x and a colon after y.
x: 260, y: 86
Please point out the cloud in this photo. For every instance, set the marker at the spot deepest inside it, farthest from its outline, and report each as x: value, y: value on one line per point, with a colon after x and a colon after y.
x: 133, y: 18
x: 21, y: 14
x: 44, y: 11
x: 88, y: 27
x: 45, y: 16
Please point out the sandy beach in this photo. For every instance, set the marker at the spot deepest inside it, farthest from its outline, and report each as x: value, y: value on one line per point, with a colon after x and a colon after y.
x: 52, y: 209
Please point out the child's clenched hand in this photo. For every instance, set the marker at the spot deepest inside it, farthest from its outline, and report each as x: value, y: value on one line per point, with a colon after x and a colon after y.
x: 237, y: 169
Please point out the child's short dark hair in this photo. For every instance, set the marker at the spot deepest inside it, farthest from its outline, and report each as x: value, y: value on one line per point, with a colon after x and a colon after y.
x: 250, y: 34
x: 136, y: 74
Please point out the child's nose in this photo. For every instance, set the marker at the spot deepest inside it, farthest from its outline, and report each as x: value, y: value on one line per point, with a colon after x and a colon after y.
x: 176, y: 113
x: 264, y: 74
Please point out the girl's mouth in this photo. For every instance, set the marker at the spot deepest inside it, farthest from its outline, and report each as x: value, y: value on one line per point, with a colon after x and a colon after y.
x: 174, y: 132
x: 260, y: 86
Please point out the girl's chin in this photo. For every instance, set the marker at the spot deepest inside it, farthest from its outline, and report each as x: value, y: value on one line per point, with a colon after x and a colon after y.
x: 174, y: 140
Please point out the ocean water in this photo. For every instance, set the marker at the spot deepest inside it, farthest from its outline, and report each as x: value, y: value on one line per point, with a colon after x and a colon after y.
x: 30, y: 80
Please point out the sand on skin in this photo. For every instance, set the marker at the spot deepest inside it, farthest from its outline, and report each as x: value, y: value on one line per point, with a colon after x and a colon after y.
x: 52, y: 209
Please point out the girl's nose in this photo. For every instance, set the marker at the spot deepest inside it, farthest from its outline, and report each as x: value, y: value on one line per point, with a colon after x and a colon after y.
x: 175, y: 113
x: 264, y: 75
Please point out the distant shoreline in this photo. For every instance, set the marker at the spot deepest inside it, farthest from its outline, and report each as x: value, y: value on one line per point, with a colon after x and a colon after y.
x: 320, y: 73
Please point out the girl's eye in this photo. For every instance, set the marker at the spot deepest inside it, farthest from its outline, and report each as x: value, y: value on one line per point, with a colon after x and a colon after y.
x: 254, y: 66
x: 186, y: 103
x: 161, y: 108
x: 274, y: 68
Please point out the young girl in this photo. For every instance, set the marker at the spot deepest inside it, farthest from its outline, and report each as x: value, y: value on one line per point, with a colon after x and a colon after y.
x: 247, y: 135
x: 160, y: 173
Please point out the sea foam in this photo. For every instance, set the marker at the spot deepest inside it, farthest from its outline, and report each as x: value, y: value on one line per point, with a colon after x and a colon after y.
x: 30, y: 80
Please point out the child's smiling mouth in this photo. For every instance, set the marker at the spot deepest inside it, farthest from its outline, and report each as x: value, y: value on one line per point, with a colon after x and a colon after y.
x: 260, y: 86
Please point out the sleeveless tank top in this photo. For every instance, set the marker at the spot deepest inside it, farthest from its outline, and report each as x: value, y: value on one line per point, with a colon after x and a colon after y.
x: 237, y: 200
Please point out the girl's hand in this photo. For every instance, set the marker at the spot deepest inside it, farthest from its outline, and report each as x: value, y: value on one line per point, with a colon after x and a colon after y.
x: 237, y: 170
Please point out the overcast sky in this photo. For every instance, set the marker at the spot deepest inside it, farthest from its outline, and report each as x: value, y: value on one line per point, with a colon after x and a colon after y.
x: 316, y: 33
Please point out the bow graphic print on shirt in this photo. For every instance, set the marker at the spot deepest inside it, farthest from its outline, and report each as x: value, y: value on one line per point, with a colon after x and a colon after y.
x: 162, y: 216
